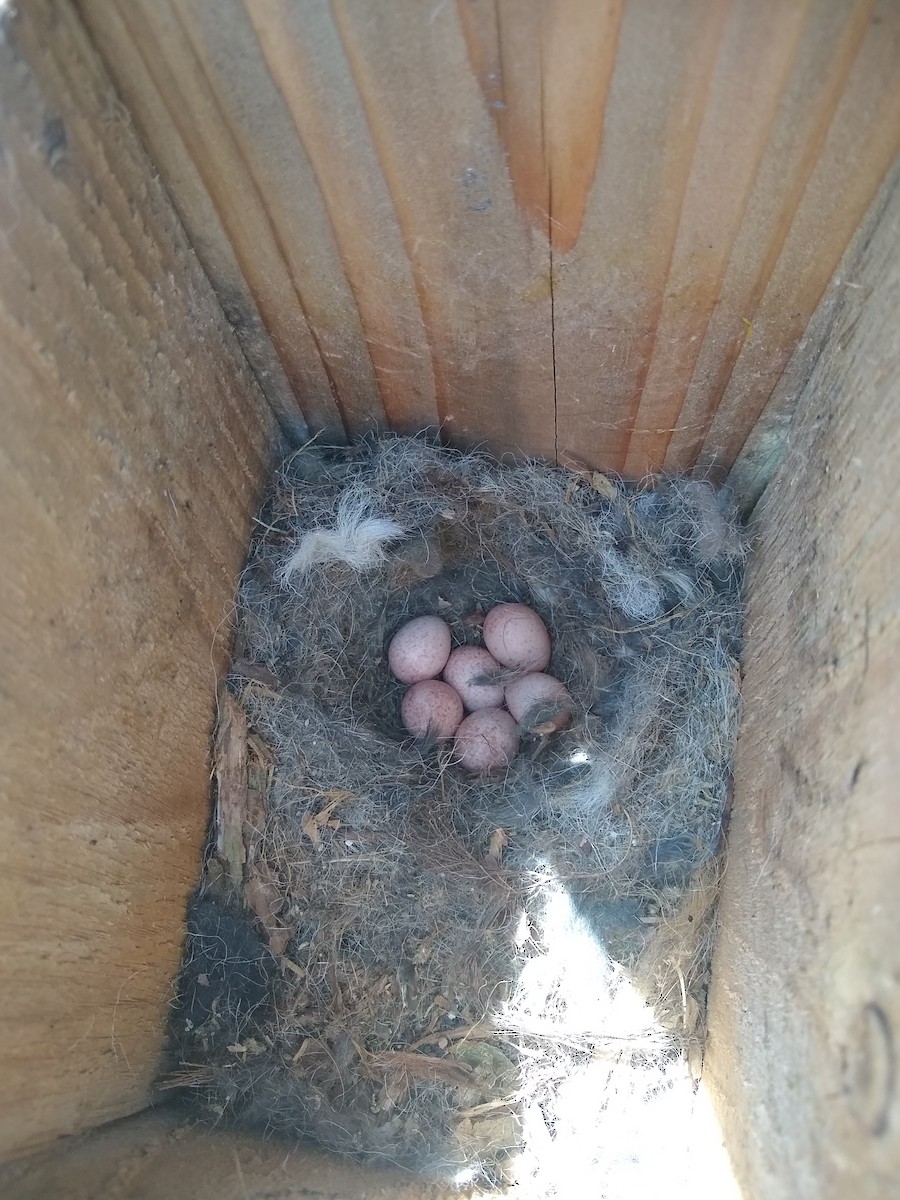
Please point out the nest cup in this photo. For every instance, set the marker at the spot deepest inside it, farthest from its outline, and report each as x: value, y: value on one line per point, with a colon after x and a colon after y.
x: 400, y: 885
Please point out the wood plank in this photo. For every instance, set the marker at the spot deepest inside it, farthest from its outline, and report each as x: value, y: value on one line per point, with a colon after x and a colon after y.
x: 423, y: 249
x: 826, y: 53
x: 259, y: 279
x: 608, y: 289
x: 757, y: 53
x: 545, y: 71
x: 645, y: 346
x: 580, y: 41
x: 481, y: 272
x: 197, y: 211
x: 769, y: 438
x: 590, y: 229
x: 504, y: 43
x: 861, y: 145
x: 300, y: 50
x: 805, y: 1003
x: 162, y: 1156
x: 275, y: 159
x: 134, y: 443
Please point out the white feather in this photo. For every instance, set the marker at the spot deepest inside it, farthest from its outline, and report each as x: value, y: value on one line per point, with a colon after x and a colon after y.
x: 357, y: 539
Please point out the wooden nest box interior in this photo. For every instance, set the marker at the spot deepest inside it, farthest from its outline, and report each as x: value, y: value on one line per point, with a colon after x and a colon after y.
x: 624, y: 235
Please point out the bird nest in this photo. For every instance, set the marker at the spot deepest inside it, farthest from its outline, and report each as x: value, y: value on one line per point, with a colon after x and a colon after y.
x: 411, y: 963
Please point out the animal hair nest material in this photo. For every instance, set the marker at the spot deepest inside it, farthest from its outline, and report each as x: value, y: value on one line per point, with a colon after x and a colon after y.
x: 419, y: 1006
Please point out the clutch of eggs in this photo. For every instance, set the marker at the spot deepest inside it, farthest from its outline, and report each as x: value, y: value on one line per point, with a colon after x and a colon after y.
x: 487, y: 739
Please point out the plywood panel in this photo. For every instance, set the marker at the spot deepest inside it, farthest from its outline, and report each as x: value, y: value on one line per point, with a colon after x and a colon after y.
x: 134, y: 443
x: 590, y: 229
x: 805, y: 1004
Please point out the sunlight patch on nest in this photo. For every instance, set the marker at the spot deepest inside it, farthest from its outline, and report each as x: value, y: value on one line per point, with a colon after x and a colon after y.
x: 615, y: 1111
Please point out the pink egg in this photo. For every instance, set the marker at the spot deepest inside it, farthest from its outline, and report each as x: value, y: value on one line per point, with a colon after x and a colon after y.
x: 517, y: 637
x: 487, y: 740
x: 431, y: 709
x: 465, y: 665
x: 419, y: 649
x: 539, y: 699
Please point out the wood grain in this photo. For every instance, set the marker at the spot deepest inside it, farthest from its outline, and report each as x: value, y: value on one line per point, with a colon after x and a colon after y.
x: 134, y: 444
x: 825, y: 54
x: 303, y: 55
x: 176, y: 74
x: 755, y: 56
x: 860, y: 146
x: 161, y: 1156
x: 589, y: 229
x: 608, y: 291
x: 805, y: 1004
x: 480, y: 273
x: 545, y: 70
x: 770, y: 436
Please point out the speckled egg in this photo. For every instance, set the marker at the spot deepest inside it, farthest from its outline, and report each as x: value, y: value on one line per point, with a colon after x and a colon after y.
x: 517, y: 637
x: 431, y: 709
x: 467, y: 664
x: 545, y: 698
x: 419, y: 649
x: 487, y: 740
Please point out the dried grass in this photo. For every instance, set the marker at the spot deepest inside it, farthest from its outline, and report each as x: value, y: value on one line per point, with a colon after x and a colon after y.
x: 432, y: 1007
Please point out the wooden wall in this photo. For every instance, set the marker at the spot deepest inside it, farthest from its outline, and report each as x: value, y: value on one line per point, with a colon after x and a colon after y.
x: 590, y: 229
x: 804, y: 1048
x: 165, y: 1155
x: 583, y: 228
x: 133, y: 444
